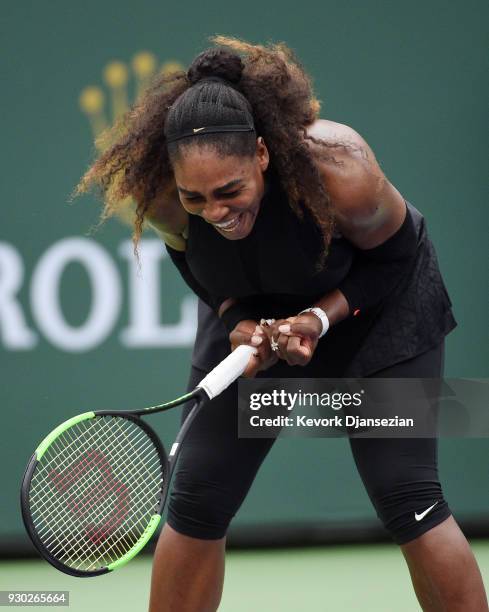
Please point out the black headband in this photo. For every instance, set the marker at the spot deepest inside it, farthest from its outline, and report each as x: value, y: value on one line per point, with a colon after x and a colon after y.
x: 211, y: 129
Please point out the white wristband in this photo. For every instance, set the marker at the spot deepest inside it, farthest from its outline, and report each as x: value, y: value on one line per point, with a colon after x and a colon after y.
x: 323, y: 317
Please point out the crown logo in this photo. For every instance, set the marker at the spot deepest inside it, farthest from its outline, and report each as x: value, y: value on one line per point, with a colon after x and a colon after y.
x: 123, y: 83
x: 120, y: 79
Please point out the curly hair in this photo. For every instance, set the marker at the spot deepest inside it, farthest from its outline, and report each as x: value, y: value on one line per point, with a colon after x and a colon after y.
x: 264, y: 82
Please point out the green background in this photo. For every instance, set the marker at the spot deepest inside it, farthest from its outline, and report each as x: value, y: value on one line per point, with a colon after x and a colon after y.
x: 409, y: 77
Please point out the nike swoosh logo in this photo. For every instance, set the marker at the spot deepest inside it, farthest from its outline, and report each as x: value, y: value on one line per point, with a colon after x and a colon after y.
x: 418, y: 517
x: 198, y: 129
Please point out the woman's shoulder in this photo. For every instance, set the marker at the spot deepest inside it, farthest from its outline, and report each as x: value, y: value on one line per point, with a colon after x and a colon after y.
x: 342, y: 140
x: 331, y: 130
x: 367, y: 207
x: 166, y: 215
x: 344, y: 158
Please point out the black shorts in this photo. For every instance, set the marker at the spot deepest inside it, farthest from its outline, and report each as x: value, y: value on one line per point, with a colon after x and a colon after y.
x: 216, y: 468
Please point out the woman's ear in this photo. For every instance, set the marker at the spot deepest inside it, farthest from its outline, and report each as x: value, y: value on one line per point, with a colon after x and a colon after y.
x: 262, y: 153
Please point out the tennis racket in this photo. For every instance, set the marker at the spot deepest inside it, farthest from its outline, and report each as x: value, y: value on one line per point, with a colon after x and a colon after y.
x: 95, y: 488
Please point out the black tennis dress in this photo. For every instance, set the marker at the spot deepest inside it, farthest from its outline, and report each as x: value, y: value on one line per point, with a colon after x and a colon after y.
x: 273, y: 271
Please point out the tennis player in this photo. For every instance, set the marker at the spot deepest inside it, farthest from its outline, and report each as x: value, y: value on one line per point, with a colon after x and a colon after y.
x: 296, y: 242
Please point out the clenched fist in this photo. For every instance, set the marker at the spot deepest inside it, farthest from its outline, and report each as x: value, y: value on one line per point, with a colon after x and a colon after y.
x: 250, y: 333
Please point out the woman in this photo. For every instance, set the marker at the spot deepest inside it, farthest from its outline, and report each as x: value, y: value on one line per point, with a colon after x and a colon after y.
x: 269, y: 211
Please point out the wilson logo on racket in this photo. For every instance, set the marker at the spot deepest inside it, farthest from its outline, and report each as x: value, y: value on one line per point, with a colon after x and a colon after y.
x: 97, y: 492
x: 79, y: 515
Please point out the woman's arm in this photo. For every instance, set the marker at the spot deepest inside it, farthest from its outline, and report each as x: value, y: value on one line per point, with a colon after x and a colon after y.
x: 373, y: 216
x: 228, y: 309
x: 180, y: 261
x: 370, y: 213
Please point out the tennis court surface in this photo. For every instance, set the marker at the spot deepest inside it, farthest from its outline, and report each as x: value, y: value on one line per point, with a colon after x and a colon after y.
x: 364, y: 578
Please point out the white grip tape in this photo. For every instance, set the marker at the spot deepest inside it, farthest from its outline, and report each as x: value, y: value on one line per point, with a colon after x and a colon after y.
x: 227, y: 371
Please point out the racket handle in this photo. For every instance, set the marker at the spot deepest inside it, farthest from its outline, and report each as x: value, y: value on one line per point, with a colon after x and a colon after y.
x: 227, y: 371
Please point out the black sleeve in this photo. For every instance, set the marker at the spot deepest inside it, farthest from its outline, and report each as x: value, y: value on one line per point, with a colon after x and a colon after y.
x: 180, y: 261
x: 232, y: 315
x: 236, y: 313
x: 376, y: 272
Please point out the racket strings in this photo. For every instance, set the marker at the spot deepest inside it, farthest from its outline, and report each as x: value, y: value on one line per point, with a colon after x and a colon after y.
x: 70, y: 459
x: 109, y: 527
x: 47, y: 483
x: 95, y: 490
x: 71, y: 449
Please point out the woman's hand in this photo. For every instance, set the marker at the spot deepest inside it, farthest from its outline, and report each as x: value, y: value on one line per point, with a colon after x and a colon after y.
x: 250, y: 333
x: 296, y: 337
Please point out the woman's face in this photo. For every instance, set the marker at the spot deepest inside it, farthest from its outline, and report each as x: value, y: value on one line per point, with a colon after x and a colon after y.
x: 225, y: 191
